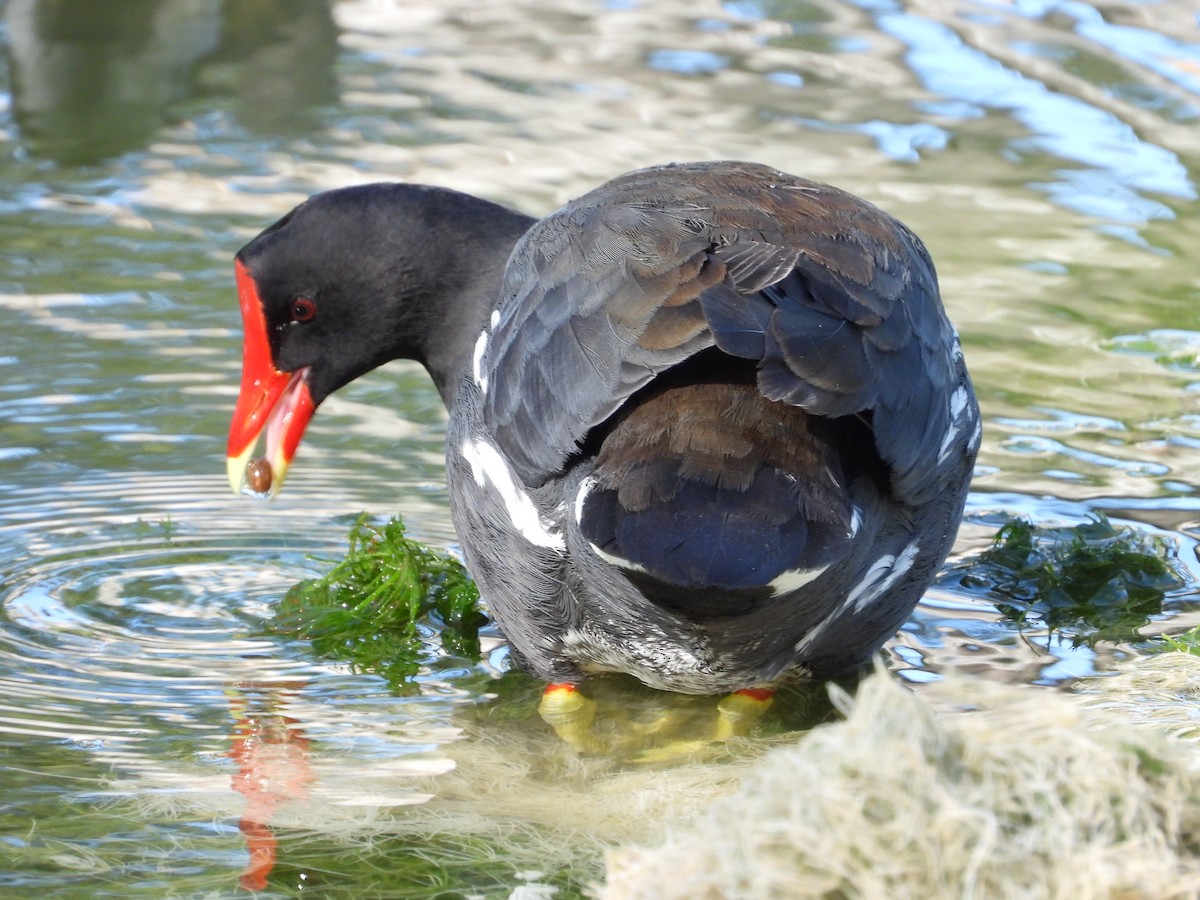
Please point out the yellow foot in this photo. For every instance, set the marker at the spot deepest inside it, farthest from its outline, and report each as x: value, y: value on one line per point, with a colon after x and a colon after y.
x: 738, y: 713
x: 679, y: 727
x: 569, y: 713
x: 736, y: 716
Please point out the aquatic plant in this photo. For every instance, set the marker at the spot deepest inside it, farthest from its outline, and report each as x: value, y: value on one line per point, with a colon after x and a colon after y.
x: 1095, y: 580
x: 1185, y: 642
x: 368, y: 609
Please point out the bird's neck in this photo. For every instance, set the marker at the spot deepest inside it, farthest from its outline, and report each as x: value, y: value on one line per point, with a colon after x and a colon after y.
x: 468, y: 294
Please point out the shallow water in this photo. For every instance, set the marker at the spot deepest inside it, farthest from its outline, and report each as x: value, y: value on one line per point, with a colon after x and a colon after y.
x: 1047, y: 152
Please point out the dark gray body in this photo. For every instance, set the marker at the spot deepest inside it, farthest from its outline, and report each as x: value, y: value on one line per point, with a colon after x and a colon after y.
x: 566, y: 609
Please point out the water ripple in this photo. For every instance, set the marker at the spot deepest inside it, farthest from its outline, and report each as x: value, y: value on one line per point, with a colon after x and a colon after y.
x: 131, y: 610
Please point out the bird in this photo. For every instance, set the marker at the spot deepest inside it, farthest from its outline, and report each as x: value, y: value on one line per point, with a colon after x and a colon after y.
x: 709, y: 423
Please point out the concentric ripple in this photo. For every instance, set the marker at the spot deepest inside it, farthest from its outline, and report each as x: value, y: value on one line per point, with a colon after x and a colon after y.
x: 130, y: 643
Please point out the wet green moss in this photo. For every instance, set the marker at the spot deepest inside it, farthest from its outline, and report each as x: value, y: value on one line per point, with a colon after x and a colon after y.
x: 377, y: 608
x: 1095, y: 580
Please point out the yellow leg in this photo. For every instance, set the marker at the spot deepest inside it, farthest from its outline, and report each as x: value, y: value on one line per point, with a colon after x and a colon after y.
x: 738, y: 713
x: 569, y: 713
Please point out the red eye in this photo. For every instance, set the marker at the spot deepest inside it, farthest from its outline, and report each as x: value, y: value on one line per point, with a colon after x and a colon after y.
x: 303, y: 310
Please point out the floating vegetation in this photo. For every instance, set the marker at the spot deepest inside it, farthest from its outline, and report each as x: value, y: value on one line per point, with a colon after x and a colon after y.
x: 1094, y: 580
x: 1187, y: 642
x: 369, y: 609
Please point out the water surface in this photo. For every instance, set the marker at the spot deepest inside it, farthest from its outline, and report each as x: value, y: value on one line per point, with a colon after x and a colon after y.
x: 153, y: 741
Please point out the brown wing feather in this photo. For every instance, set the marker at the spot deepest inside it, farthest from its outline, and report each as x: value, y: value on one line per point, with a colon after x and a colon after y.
x: 835, y: 299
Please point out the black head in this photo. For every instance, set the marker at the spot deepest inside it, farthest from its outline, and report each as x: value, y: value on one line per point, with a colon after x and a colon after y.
x: 352, y: 279
x: 356, y: 277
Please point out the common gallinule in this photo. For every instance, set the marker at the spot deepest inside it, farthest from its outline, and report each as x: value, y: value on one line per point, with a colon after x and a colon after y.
x: 709, y: 423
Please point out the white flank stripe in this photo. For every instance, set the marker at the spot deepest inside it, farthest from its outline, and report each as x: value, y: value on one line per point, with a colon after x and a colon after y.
x: 487, y: 465
x: 878, y: 579
x: 947, y: 443
x: 477, y: 361
x: 881, y: 576
x: 958, y: 401
x: 585, y: 488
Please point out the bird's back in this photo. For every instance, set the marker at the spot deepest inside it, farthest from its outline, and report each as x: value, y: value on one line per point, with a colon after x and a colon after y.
x: 736, y: 418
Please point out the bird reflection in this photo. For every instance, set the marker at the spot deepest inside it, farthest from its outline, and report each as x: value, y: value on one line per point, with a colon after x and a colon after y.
x: 272, y: 756
x: 93, y: 80
x: 489, y: 768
